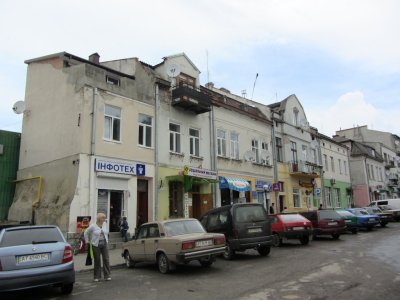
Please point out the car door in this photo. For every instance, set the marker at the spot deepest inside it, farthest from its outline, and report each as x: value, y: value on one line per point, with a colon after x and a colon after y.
x: 137, y: 246
x: 151, y: 243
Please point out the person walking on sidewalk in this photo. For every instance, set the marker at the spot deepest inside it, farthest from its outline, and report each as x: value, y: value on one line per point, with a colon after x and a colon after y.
x: 124, y: 229
x: 97, y: 235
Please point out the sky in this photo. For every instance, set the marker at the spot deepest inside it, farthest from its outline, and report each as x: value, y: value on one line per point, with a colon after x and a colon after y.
x: 340, y: 58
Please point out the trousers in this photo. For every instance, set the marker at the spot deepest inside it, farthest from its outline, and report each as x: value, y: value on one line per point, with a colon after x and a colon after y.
x: 103, y: 252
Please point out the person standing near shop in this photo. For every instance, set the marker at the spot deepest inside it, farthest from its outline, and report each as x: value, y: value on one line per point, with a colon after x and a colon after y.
x: 97, y: 235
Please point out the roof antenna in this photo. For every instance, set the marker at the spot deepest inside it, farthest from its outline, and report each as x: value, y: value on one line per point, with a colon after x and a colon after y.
x: 208, y: 73
x: 254, y: 85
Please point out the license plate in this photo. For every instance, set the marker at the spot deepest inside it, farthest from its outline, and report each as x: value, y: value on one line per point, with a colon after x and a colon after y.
x: 298, y: 228
x: 254, y: 230
x: 204, y: 243
x: 33, y: 258
x: 332, y: 223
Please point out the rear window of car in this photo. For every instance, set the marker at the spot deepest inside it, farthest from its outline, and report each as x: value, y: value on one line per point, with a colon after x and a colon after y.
x: 329, y: 214
x: 26, y: 236
x: 183, y: 227
x: 293, y: 218
x: 345, y: 213
x: 250, y: 213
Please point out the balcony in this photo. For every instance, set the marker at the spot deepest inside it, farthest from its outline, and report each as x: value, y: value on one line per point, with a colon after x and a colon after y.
x: 191, y: 99
x: 305, y: 169
x: 389, y: 164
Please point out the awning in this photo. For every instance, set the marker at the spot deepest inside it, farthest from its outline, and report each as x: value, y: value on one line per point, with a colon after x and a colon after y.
x: 235, y: 184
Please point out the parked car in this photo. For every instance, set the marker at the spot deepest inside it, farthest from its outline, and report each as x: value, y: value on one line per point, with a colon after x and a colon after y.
x: 172, y: 242
x: 395, y: 203
x: 34, y: 256
x: 364, y: 219
x: 326, y: 222
x: 384, y: 217
x: 349, y: 219
x: 245, y: 226
x: 290, y: 226
x: 390, y: 209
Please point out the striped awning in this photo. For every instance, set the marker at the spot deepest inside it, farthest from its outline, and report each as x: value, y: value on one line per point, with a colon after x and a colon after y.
x: 236, y: 184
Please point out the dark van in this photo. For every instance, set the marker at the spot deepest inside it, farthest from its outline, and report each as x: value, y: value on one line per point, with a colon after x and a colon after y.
x: 245, y: 226
x: 326, y: 222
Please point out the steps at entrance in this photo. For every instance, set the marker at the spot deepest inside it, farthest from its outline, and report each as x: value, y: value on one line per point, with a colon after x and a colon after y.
x: 115, y: 240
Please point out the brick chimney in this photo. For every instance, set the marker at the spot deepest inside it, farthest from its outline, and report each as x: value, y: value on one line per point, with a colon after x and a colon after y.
x: 94, y: 58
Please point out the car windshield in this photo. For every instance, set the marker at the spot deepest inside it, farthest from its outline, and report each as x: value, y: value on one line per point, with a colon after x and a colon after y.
x: 250, y: 213
x: 345, y: 213
x: 26, y: 236
x: 293, y: 218
x: 183, y: 227
x: 328, y: 215
x: 362, y: 212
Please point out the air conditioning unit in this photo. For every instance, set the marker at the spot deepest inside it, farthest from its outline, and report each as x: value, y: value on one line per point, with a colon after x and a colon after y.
x: 333, y: 181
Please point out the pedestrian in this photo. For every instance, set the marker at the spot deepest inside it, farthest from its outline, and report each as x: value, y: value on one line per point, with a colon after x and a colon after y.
x: 285, y: 210
x: 124, y: 229
x: 320, y: 207
x: 97, y: 235
x: 272, y: 208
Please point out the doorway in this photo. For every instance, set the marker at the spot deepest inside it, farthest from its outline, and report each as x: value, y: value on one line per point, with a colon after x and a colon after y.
x: 196, y: 202
x: 281, y: 203
x: 142, y: 202
x: 116, y: 206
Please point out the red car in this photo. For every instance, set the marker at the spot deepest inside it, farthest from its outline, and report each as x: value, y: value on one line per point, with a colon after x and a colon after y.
x: 290, y: 226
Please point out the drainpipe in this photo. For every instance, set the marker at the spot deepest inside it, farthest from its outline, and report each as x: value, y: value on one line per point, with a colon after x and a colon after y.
x: 366, y: 174
x: 35, y: 202
x: 212, y: 153
x: 321, y: 173
x: 155, y: 189
x: 93, y: 152
x: 275, y: 165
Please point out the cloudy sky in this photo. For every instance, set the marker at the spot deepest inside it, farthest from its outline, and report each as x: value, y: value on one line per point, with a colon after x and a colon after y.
x: 341, y: 58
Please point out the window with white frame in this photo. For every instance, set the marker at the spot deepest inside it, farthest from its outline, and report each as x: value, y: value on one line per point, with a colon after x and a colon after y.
x: 264, y: 146
x: 194, y: 135
x: 221, y: 142
x: 255, y: 149
x: 372, y: 172
x: 296, y: 116
x: 380, y: 173
x: 304, y: 152
x: 296, y: 198
x: 145, y: 130
x: 368, y: 172
x: 328, y: 197
x: 326, y: 162
x: 345, y: 167
x: 336, y: 197
x: 234, y: 145
x: 293, y: 148
x: 332, y: 164
x: 340, y: 165
x: 174, y: 138
x: 377, y: 173
x: 314, y: 156
x: 112, y: 123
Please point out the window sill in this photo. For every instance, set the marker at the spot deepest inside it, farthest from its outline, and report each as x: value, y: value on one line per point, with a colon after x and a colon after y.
x: 112, y: 141
x: 236, y: 159
x: 176, y: 154
x: 224, y: 157
x: 196, y: 157
x: 262, y: 165
x: 145, y: 147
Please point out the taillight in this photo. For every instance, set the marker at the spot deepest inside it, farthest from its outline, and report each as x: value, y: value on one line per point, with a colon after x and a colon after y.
x: 220, y: 240
x: 68, y: 255
x: 188, y: 245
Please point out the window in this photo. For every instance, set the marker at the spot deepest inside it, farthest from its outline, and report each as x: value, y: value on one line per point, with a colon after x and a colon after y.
x: 372, y: 172
x: 174, y: 138
x: 279, y: 156
x: 332, y: 164
x: 145, y: 129
x: 254, y: 148
x: 221, y: 142
x: 380, y: 174
x: 368, y: 172
x: 345, y: 167
x: 326, y: 162
x: 335, y: 197
x: 112, y: 123
x: 295, y: 116
x: 293, y: 148
x: 377, y: 172
x: 328, y: 197
x: 340, y: 165
x: 234, y: 145
x: 296, y: 198
x: 264, y: 146
x: 112, y: 80
x: 304, y: 152
x: 314, y: 156
x: 194, y: 135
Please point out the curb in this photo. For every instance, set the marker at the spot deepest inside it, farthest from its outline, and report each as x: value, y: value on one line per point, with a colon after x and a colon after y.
x: 118, y: 266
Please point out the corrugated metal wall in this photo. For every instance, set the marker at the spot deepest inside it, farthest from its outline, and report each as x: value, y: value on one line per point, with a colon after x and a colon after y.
x: 10, y: 143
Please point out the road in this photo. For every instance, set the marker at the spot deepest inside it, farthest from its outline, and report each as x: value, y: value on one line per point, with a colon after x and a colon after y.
x: 362, y: 266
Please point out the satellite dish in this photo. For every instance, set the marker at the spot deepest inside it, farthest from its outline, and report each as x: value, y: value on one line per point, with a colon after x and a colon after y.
x: 173, y: 70
x: 19, y: 107
x: 314, y: 144
x: 249, y: 156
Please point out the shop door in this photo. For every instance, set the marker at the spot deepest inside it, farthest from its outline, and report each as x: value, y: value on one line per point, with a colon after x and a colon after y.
x: 281, y: 203
x: 196, y: 202
x: 116, y: 206
x: 175, y: 199
x: 142, y: 202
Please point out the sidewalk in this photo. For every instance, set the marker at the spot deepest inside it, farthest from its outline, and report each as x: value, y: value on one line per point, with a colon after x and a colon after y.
x: 115, y: 260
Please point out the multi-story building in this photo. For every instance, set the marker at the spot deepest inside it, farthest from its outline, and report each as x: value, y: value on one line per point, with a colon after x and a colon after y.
x: 9, y: 152
x: 297, y: 157
x: 336, y: 174
x: 87, y: 143
x: 387, y: 145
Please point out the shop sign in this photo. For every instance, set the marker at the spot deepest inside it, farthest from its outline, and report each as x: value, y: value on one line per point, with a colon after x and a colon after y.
x: 263, y: 185
x: 140, y: 170
x: 115, y: 167
x: 317, y: 191
x: 276, y: 187
x: 198, y: 172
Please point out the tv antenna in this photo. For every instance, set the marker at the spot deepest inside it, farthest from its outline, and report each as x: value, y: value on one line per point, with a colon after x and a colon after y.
x: 254, y: 85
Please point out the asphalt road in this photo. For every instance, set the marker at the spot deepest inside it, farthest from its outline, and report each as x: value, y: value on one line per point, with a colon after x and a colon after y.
x: 362, y: 266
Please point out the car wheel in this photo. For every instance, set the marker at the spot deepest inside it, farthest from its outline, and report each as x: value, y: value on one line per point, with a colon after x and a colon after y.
x: 163, y: 263
x: 369, y: 228
x: 354, y: 231
x: 335, y: 236
x: 383, y: 224
x: 276, y: 240
x: 130, y: 263
x: 264, y: 250
x: 304, y: 240
x: 206, y: 262
x: 67, y: 288
x: 229, y: 252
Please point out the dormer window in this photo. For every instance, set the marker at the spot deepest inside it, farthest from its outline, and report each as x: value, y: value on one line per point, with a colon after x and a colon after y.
x: 296, y: 116
x: 112, y: 80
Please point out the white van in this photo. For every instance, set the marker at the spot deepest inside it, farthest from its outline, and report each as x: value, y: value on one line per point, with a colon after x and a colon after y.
x: 395, y: 203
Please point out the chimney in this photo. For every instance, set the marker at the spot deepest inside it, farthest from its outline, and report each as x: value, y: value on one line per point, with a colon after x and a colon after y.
x: 210, y: 85
x: 94, y: 58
